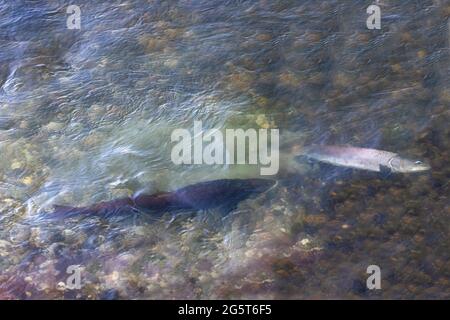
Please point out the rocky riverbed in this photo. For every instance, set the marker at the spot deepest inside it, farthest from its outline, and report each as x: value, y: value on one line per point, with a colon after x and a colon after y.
x: 86, y: 116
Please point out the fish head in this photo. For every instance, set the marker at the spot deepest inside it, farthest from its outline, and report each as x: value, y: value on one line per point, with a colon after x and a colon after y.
x: 398, y: 164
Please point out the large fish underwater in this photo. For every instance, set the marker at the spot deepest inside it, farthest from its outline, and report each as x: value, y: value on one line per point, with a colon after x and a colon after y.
x: 224, y: 194
x: 360, y: 158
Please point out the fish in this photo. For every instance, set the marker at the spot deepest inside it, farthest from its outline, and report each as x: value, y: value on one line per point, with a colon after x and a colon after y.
x: 223, y: 193
x: 362, y: 158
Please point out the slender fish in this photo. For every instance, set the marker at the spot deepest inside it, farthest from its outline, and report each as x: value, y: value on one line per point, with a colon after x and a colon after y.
x: 363, y: 158
x: 225, y: 193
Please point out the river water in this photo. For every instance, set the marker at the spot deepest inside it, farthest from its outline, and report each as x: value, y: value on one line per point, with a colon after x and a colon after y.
x: 86, y: 115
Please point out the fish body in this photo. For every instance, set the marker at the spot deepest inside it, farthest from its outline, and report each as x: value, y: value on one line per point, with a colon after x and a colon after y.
x: 363, y: 158
x: 205, y: 195
x: 200, y: 196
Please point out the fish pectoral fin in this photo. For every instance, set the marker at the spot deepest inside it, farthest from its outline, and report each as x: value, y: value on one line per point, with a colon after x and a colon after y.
x: 385, y: 170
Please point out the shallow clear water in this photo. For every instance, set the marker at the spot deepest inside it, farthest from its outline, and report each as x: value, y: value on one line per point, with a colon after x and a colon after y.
x: 86, y: 116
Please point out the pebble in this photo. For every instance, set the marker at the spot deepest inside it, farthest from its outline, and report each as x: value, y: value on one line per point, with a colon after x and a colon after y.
x: 263, y: 37
x: 28, y: 180
x: 262, y: 121
x: 289, y: 79
x: 19, y: 233
x: 315, y: 219
x: 54, y: 126
x: 421, y: 54
x: 4, y: 244
x: 61, y: 286
x: 305, y: 241
x: 69, y: 235
x: 171, y: 63
x: 16, y: 165
x: 114, y: 276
